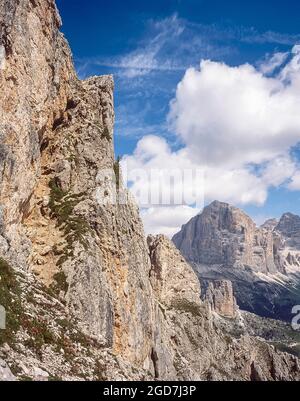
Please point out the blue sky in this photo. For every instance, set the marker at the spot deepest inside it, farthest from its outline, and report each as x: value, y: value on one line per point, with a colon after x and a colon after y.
x: 149, y: 46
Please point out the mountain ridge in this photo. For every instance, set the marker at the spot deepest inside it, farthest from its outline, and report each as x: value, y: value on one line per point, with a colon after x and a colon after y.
x: 224, y: 243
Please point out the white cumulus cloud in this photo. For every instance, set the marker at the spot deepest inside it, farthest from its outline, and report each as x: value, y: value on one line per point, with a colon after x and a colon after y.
x: 294, y: 184
x: 236, y: 124
x: 166, y: 220
x: 236, y: 115
x: 270, y: 64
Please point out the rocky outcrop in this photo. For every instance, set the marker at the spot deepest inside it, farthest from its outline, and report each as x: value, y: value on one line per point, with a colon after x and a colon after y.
x: 85, y: 296
x: 46, y: 342
x: 289, y: 228
x: 270, y: 224
x: 171, y: 277
x: 5, y: 372
x: 43, y: 340
x: 263, y: 263
x: 289, y: 225
x: 56, y: 153
x: 191, y: 341
x: 224, y: 235
x: 221, y: 299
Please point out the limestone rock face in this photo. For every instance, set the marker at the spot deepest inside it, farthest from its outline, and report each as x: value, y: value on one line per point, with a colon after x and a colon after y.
x: 46, y: 342
x: 35, y: 78
x: 223, y: 234
x: 171, y: 277
x: 5, y: 372
x: 56, y: 148
x: 190, y: 342
x: 263, y: 263
x: 270, y: 224
x: 289, y: 224
x: 289, y: 228
x: 221, y: 299
x: 88, y: 298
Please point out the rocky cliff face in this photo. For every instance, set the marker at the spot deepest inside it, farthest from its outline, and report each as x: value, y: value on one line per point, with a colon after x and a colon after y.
x: 289, y: 229
x: 56, y: 140
x: 221, y: 299
x: 262, y: 262
x: 223, y: 234
x: 191, y: 339
x: 86, y: 298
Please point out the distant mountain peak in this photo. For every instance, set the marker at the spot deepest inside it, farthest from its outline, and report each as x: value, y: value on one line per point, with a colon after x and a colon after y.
x: 223, y: 243
x: 289, y: 226
x: 225, y: 235
x: 219, y: 204
x: 270, y: 224
x: 289, y: 216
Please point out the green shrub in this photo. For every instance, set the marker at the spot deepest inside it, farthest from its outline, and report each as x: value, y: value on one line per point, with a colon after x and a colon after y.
x: 60, y: 283
x: 117, y: 171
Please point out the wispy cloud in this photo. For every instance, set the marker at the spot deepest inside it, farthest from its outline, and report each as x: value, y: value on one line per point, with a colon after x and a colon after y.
x: 272, y: 62
x: 148, y: 54
x: 174, y: 44
x: 252, y: 36
x: 146, y: 77
x: 215, y: 32
x: 171, y: 44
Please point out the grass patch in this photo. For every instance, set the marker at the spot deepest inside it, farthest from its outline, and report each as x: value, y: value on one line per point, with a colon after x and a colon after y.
x: 286, y: 348
x: 186, y: 306
x: 39, y: 333
x: 24, y: 378
x: 75, y: 228
x: 60, y: 283
x: 10, y: 299
x: 55, y: 379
